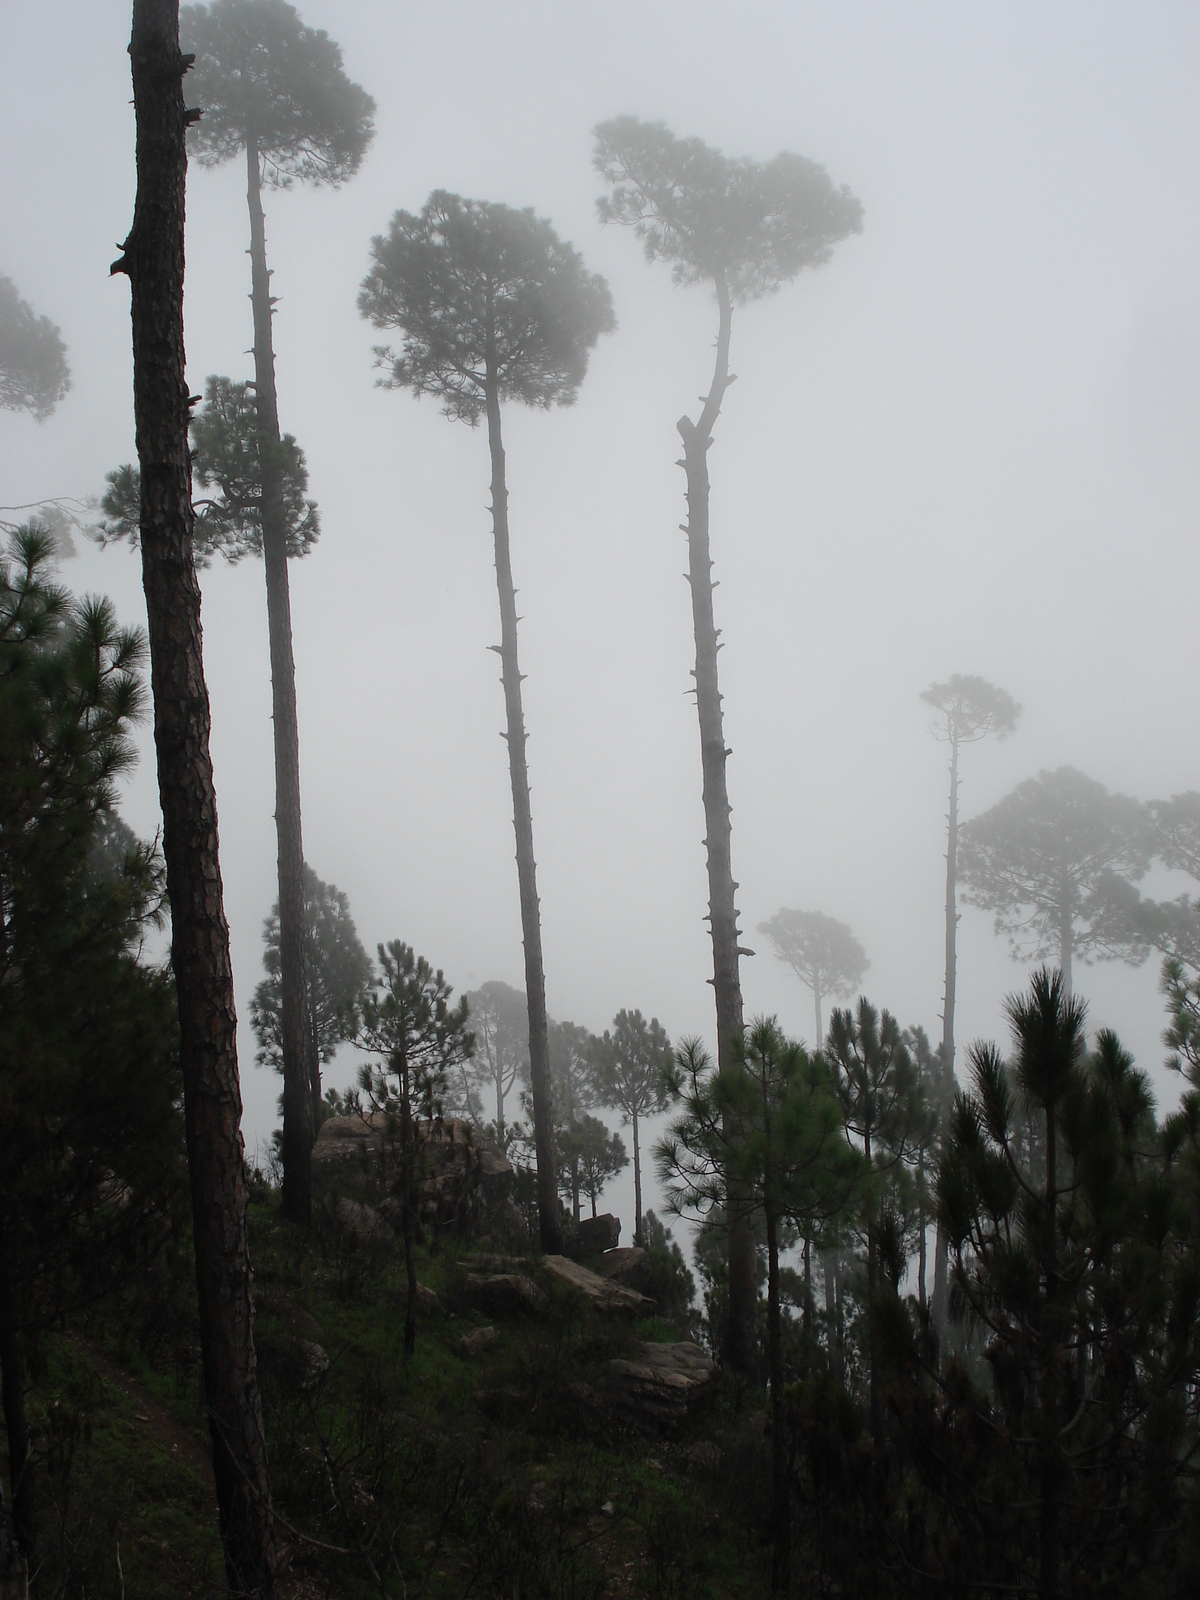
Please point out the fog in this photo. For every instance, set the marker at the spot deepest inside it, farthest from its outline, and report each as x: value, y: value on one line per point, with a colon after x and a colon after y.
x: 968, y: 444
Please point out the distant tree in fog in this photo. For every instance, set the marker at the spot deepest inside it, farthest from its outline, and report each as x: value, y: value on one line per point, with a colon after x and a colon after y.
x: 632, y: 1066
x: 275, y: 90
x: 493, y: 306
x: 337, y: 969
x: 1049, y: 860
x: 968, y: 709
x: 746, y: 228
x: 34, y: 375
x: 822, y: 952
x: 500, y: 1018
x: 589, y: 1158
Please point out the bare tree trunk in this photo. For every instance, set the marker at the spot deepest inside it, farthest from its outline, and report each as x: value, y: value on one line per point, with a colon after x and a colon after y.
x: 1051, y: 1474
x: 740, y: 1338
x: 298, y: 1111
x: 531, y: 921
x: 941, y: 1243
x: 817, y: 1004
x: 637, y: 1184
x: 1066, y: 938
x: 781, y: 1561
x: 153, y: 258
x: 15, y: 1564
x: 808, y: 1293
x: 409, y: 1218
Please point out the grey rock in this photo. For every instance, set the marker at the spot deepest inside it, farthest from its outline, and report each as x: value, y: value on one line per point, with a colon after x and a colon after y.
x: 505, y: 1293
x: 629, y: 1266
x: 660, y: 1386
x: 590, y: 1236
x: 600, y: 1293
x: 477, y: 1341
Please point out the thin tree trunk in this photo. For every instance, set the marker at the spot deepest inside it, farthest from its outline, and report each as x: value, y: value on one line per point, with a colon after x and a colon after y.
x: 153, y: 258
x: 409, y: 1220
x: 817, y: 1004
x: 298, y: 1117
x: 531, y: 922
x: 781, y: 1561
x: 20, y: 1475
x: 637, y: 1184
x: 876, y: 1408
x: 808, y: 1293
x: 722, y: 912
x: 1049, y: 1529
x: 941, y: 1249
x: 922, y: 1225
x: 1066, y: 938
x: 313, y: 1052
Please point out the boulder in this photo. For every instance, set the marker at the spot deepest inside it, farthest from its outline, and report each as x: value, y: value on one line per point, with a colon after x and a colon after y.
x: 477, y: 1341
x: 427, y: 1300
x: 600, y: 1293
x: 629, y: 1266
x: 590, y: 1236
x: 307, y: 1362
x: 504, y: 1293
x: 361, y: 1221
x: 462, y: 1179
x: 660, y: 1385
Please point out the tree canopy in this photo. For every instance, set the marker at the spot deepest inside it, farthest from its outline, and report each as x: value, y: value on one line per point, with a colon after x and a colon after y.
x: 970, y: 708
x: 822, y: 952
x: 227, y: 450
x: 34, y: 375
x: 336, y: 966
x: 1043, y: 858
x: 262, y: 75
x: 484, y: 294
x: 753, y: 224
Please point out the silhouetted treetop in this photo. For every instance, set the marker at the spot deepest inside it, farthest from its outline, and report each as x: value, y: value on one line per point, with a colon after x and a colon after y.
x: 34, y: 374
x: 757, y: 224
x: 483, y: 293
x: 971, y: 708
x: 261, y: 76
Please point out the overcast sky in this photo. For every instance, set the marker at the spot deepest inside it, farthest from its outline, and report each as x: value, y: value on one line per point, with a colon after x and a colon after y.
x: 968, y: 444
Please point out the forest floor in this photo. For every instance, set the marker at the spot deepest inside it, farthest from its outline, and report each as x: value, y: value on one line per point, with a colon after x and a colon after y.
x: 443, y: 1474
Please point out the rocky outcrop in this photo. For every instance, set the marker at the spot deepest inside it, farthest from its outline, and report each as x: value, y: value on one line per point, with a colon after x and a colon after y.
x: 600, y: 1293
x: 463, y: 1179
x: 477, y: 1341
x: 591, y: 1235
x: 660, y: 1385
x: 629, y: 1266
x: 504, y: 1293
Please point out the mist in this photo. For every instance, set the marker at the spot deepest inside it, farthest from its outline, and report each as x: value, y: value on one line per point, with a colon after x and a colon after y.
x: 967, y: 444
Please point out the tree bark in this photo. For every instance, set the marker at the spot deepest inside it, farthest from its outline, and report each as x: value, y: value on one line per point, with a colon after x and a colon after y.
x: 20, y: 1476
x: 781, y: 1561
x: 1066, y: 937
x: 531, y: 922
x: 941, y: 1251
x: 637, y: 1184
x: 409, y: 1218
x: 820, y: 1039
x: 740, y: 1340
x: 1051, y: 1485
x: 298, y: 1097
x: 153, y: 258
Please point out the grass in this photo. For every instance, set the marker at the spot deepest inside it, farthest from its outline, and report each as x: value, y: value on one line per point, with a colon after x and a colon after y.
x: 484, y: 1476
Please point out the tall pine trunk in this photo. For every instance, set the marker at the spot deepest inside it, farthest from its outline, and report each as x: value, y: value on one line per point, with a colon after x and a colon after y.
x: 531, y: 921
x: 637, y: 1184
x: 153, y: 258
x: 20, y: 1559
x: 941, y: 1250
x: 781, y: 1561
x: 409, y: 1215
x: 298, y: 1092
x: 722, y: 912
x: 1066, y: 935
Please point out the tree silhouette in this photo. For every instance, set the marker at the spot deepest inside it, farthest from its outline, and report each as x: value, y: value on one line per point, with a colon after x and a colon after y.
x: 153, y: 258
x: 746, y: 228
x: 876, y: 1082
x: 34, y: 375
x: 632, y: 1062
x: 493, y: 306
x: 409, y: 1022
x: 500, y: 1016
x: 275, y: 90
x: 1043, y: 859
x: 969, y: 709
x: 336, y: 970
x: 768, y: 1123
x: 589, y: 1157
x: 822, y: 952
